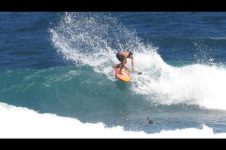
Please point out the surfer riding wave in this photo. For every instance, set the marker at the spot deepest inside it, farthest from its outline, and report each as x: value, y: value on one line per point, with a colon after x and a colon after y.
x: 122, y: 56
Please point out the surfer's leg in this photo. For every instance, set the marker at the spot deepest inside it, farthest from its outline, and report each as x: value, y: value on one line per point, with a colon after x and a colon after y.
x: 124, y: 64
x: 117, y: 66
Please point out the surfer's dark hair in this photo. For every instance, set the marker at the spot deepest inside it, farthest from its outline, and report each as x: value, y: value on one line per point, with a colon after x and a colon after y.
x: 130, y: 54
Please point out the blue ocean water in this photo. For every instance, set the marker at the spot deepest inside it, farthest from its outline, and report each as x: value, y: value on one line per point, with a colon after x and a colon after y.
x: 61, y: 63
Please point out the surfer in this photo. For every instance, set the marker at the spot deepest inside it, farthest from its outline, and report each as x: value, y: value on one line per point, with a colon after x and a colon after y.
x: 149, y: 121
x: 122, y: 56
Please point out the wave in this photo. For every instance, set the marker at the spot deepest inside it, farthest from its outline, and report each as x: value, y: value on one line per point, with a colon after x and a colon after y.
x: 21, y: 122
x: 92, y: 39
x: 218, y: 38
x: 72, y: 91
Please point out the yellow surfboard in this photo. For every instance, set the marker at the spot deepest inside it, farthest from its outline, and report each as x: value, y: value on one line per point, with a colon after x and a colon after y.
x: 124, y: 76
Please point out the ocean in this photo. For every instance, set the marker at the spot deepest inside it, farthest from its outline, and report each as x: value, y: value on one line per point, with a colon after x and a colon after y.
x: 56, y: 77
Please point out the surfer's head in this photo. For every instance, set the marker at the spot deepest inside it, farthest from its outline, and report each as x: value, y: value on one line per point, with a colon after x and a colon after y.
x: 130, y: 55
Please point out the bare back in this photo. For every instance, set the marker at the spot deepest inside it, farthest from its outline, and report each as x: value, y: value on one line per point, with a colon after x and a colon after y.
x: 124, y: 53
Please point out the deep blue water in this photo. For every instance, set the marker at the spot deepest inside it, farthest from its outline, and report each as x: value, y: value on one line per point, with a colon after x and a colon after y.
x: 56, y: 63
x: 25, y: 40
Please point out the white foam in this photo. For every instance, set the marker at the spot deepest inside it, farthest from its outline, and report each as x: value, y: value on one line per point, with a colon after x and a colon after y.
x: 218, y: 38
x: 198, y: 84
x: 20, y: 122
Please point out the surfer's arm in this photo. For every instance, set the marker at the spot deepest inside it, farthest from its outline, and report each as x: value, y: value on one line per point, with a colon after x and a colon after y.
x: 122, y: 66
x: 132, y: 64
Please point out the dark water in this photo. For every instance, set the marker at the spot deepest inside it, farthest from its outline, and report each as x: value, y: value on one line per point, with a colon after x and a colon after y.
x: 60, y: 63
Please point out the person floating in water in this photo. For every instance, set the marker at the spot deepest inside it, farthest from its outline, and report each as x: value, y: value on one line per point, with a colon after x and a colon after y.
x: 122, y: 56
x: 149, y: 121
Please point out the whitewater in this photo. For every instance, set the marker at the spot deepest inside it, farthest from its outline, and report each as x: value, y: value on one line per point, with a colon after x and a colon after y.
x: 23, y: 123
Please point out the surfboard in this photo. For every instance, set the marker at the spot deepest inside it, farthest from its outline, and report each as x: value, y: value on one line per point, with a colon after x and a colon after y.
x: 124, y: 76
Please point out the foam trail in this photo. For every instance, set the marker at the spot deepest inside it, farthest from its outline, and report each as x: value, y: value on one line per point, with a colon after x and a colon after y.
x: 20, y: 122
x: 93, y: 39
